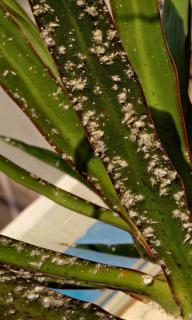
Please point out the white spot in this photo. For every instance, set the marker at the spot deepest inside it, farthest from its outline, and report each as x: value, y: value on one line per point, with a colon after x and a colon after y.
x: 97, y: 90
x: 148, y: 232
x: 98, y: 50
x: 31, y: 296
x: 87, y: 116
x: 62, y: 50
x: 116, y: 78
x: 51, y: 302
x: 41, y: 9
x: 78, y: 84
x: 5, y: 73
x: 97, y: 36
x: 122, y: 97
x: 50, y: 42
x: 92, y: 11
x: 146, y: 139
x: 80, y: 3
x: 147, y: 279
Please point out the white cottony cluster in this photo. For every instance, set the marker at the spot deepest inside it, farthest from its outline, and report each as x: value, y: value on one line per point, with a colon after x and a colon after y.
x: 184, y: 216
x: 122, y: 97
x: 97, y: 36
x: 46, y: 34
x: 78, y: 84
x: 52, y: 301
x: 97, y: 90
x: 148, y: 232
x: 141, y: 134
x: 47, y: 38
x: 116, y: 78
x: 60, y: 260
x: 92, y: 10
x: 128, y: 114
x: 80, y: 2
x: 101, y: 44
x: 41, y: 9
x: 163, y: 177
x: 179, y: 198
x: 32, y: 296
x: 130, y: 199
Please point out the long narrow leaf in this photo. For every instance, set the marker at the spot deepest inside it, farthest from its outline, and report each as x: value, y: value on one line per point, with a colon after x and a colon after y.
x: 34, y: 259
x: 125, y: 250
x: 177, y: 25
x: 29, y: 83
x: 23, y: 299
x: 45, y: 155
x: 176, y: 18
x: 52, y: 282
x: 58, y: 195
x: 120, y: 128
x: 141, y: 33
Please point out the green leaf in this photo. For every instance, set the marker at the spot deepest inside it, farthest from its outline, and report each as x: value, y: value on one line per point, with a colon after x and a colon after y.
x: 21, y: 298
x: 128, y: 250
x: 142, y: 37
x: 58, y: 195
x: 119, y: 126
x: 20, y: 255
x: 176, y: 18
x: 45, y: 155
x: 31, y: 33
x: 29, y: 83
x: 177, y: 26
x: 125, y: 249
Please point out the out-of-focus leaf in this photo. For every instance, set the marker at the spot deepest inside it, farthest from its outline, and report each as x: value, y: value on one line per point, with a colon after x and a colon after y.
x: 95, y: 69
x: 125, y: 250
x: 142, y: 37
x: 177, y: 25
x: 20, y: 255
x: 21, y: 298
x: 58, y: 195
x: 29, y: 83
x: 176, y: 18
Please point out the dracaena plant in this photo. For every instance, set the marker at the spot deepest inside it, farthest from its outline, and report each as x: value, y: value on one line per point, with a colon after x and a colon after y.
x: 109, y: 92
